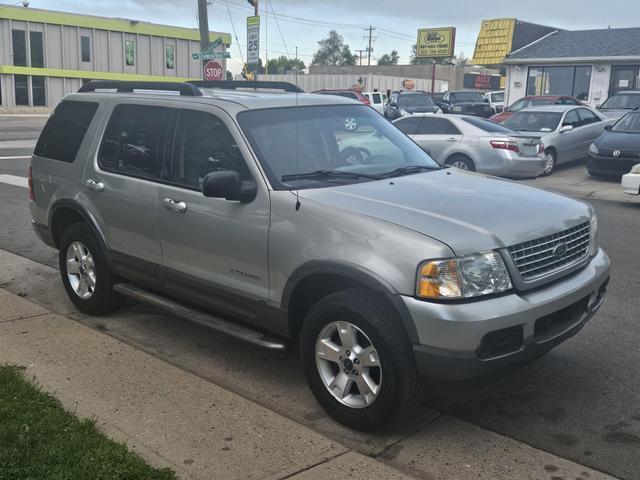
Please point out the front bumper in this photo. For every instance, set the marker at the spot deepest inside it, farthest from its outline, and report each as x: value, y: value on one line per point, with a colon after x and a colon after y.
x: 610, y: 165
x: 452, y: 336
x: 631, y: 183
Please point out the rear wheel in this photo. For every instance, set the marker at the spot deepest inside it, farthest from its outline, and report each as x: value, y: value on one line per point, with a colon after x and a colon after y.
x: 462, y: 162
x: 85, y: 273
x: 357, y: 360
x: 550, y: 166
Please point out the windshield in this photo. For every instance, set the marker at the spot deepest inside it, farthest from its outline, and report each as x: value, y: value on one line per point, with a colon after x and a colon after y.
x: 534, y: 121
x: 488, y: 125
x: 415, y: 100
x: 630, y: 123
x: 466, y: 97
x: 497, y: 97
x: 626, y: 101
x: 336, y: 138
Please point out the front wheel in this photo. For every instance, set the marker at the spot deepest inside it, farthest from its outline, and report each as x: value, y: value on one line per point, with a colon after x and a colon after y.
x: 357, y: 360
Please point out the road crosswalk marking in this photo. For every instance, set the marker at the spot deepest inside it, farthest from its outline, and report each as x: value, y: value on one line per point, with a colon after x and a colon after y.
x: 14, y: 180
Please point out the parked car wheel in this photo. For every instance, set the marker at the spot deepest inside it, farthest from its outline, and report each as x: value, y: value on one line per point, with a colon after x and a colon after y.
x: 85, y: 273
x: 550, y: 166
x: 357, y: 360
x: 462, y: 162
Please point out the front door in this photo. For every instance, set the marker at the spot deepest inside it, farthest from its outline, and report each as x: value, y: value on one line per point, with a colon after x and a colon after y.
x: 569, y: 143
x: 214, y: 250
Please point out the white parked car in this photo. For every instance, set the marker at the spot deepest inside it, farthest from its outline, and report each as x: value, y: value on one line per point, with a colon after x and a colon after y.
x: 631, y: 181
x: 377, y: 101
x: 495, y: 100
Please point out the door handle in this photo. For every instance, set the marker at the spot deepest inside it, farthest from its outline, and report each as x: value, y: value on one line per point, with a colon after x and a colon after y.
x: 171, y: 204
x: 452, y: 139
x: 95, y: 186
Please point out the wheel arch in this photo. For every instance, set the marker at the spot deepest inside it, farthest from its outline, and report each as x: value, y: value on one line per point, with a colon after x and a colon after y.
x: 459, y: 153
x: 65, y: 213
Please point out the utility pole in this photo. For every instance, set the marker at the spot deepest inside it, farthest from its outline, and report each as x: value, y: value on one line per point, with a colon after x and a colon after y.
x: 360, y: 52
x: 266, y: 37
x: 370, y: 29
x: 203, y: 21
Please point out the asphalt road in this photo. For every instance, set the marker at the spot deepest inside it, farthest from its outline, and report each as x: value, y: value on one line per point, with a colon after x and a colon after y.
x: 580, y: 402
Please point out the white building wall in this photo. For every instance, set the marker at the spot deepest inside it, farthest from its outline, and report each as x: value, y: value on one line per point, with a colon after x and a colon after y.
x: 600, y: 82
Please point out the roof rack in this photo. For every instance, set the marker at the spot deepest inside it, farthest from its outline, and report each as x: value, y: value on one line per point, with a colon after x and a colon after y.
x: 247, y: 84
x: 185, y: 89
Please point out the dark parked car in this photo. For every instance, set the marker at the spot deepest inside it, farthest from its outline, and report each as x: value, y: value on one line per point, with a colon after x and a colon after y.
x: 534, y: 101
x: 405, y: 104
x: 347, y: 94
x: 466, y: 102
x: 617, y: 150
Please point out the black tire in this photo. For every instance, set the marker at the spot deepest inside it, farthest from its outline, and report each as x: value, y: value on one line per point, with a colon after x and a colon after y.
x: 103, y: 299
x: 400, y: 388
x: 462, y: 159
x: 552, y: 162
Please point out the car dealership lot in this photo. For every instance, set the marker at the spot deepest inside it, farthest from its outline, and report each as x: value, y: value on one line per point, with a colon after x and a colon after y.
x: 579, y: 402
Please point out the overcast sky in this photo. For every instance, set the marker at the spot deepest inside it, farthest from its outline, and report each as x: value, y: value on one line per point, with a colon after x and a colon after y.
x: 396, y: 22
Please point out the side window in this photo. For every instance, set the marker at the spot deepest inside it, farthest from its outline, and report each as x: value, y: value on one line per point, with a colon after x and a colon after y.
x: 135, y: 140
x: 572, y: 119
x: 587, y: 117
x: 203, y: 145
x: 408, y: 125
x: 62, y: 135
x: 437, y: 126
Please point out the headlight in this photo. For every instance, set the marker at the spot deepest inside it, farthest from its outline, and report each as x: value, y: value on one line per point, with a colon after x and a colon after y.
x: 593, y: 149
x: 635, y: 169
x: 404, y: 113
x: 456, y: 109
x: 464, y: 277
x: 594, y: 243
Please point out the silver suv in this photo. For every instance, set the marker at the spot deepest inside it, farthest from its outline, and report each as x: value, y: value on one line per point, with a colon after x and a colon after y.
x: 307, y: 221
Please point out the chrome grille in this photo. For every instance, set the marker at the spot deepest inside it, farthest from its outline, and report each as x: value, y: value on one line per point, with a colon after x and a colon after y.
x: 545, y: 255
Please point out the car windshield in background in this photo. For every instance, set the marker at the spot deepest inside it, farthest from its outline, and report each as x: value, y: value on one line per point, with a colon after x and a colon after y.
x: 466, y: 97
x: 625, y: 101
x: 534, y: 121
x: 336, y: 144
x: 487, y: 125
x: 497, y: 97
x: 630, y: 123
x: 415, y: 100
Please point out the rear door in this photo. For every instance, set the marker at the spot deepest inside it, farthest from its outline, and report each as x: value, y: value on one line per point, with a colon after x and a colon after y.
x: 214, y: 250
x: 123, y: 183
x: 437, y: 135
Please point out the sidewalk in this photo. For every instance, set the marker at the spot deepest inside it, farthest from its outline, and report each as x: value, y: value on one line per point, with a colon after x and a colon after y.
x: 170, y: 417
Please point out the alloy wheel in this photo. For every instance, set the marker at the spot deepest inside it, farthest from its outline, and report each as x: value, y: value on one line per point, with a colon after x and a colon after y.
x: 81, y: 271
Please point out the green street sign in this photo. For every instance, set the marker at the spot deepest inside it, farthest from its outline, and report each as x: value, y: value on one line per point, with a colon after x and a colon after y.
x: 213, y: 45
x: 210, y: 56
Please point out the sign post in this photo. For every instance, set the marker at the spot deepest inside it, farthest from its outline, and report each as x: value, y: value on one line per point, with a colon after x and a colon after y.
x: 213, y: 71
x: 435, y: 43
x: 253, y: 43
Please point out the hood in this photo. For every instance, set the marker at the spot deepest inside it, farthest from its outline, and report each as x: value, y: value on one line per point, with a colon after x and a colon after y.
x: 628, y: 142
x: 467, y: 211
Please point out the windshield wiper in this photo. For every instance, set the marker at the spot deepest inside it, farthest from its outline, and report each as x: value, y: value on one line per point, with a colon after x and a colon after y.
x: 409, y: 169
x: 319, y: 174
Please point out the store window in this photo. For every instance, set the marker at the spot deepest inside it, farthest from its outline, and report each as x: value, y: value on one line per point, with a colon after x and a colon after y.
x: 624, y: 77
x: 38, y: 93
x: 171, y: 56
x: 573, y: 81
x: 130, y: 52
x: 21, y: 85
x: 85, y: 48
x: 37, y: 51
x: 19, y: 48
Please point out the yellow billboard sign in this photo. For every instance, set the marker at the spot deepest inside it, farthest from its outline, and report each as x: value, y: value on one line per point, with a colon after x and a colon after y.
x: 436, y: 42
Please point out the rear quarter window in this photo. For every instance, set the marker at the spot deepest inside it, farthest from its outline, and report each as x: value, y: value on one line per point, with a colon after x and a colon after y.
x: 63, y: 134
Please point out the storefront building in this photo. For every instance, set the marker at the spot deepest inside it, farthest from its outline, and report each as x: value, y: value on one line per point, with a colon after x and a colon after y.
x: 46, y: 54
x: 590, y: 65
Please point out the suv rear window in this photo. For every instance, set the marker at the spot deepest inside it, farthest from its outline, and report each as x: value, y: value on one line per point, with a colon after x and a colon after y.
x: 62, y: 135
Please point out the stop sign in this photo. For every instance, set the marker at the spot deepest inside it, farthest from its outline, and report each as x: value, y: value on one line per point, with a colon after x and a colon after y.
x: 213, y: 70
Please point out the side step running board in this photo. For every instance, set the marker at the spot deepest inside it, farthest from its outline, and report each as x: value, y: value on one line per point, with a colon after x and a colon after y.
x: 238, y: 331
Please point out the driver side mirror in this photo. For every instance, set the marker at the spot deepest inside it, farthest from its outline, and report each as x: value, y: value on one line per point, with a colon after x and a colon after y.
x: 566, y: 128
x: 228, y: 185
x: 608, y: 128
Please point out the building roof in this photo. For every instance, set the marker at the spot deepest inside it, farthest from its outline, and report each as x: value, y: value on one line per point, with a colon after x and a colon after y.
x: 621, y: 43
x: 104, y: 23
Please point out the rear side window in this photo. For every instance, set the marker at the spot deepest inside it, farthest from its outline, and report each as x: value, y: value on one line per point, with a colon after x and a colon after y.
x: 64, y: 131
x: 135, y: 141
x: 377, y: 98
x: 437, y: 126
x: 408, y: 125
x: 487, y: 125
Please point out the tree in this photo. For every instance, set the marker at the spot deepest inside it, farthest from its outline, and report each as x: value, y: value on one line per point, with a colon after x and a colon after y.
x: 333, y: 51
x: 462, y: 59
x: 389, y: 59
x: 282, y: 64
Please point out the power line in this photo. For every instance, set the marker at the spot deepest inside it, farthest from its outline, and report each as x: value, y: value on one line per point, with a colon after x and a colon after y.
x: 234, y: 31
x: 279, y: 29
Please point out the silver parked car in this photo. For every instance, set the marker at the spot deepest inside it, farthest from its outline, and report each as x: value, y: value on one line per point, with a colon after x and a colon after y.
x: 476, y: 144
x: 566, y: 131
x: 247, y: 212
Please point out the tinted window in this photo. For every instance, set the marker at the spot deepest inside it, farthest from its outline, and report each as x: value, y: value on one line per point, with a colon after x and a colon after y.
x: 487, y: 125
x: 19, y: 48
x: 519, y: 105
x: 572, y: 119
x: 582, y: 83
x: 135, y: 140
x: 573, y: 81
x: 623, y: 101
x: 38, y: 91
x: 37, y: 55
x: 437, y: 126
x: 408, y: 125
x: 465, y: 97
x: 85, y: 48
x: 534, y: 121
x: 204, y: 144
x: 416, y: 100
x: 377, y: 98
x: 497, y: 97
x: 21, y: 84
x: 65, y: 129
x: 587, y: 117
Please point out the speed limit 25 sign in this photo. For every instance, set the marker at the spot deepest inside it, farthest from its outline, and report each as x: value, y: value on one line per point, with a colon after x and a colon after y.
x: 253, y: 39
x: 213, y: 71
